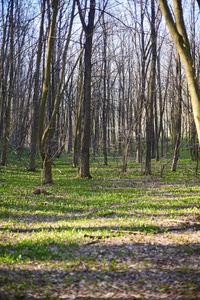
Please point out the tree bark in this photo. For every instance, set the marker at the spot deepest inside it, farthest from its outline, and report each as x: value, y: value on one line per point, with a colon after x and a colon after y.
x: 8, y: 108
x: 36, y: 93
x: 178, y: 117
x: 3, y: 77
x: 149, y: 117
x: 78, y: 106
x: 84, y: 170
x: 142, y: 89
x: 41, y: 136
x: 104, y: 92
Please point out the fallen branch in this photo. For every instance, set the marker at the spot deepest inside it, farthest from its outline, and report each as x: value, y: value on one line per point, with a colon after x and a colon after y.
x: 128, y: 231
x: 93, y: 242
x: 98, y: 237
x: 184, y: 222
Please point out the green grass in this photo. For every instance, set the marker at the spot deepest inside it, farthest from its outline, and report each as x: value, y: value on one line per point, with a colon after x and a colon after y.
x: 87, y: 234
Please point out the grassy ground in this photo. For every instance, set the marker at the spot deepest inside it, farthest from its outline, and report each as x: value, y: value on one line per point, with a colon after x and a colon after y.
x: 117, y: 236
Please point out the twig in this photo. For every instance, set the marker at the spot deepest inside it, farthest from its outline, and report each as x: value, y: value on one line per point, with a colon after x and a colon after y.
x: 98, y: 237
x: 128, y: 231
x: 90, y: 243
x: 130, y: 294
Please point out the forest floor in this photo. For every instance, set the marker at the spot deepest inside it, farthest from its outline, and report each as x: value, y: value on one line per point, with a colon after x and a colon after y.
x: 117, y: 236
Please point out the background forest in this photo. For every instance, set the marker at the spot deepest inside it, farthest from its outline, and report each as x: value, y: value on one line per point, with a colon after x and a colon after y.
x: 136, y: 102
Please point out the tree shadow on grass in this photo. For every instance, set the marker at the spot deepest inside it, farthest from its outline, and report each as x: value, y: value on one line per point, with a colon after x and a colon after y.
x: 53, y: 212
x: 149, y: 228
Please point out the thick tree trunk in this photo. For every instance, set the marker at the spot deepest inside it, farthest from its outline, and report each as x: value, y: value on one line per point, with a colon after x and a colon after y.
x: 47, y: 170
x: 84, y: 170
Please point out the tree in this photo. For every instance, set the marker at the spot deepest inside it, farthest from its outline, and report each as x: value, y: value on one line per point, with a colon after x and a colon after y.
x: 177, y: 138
x: 104, y: 90
x: 3, y: 55
x: 149, y: 108
x: 84, y: 170
x: 141, y: 98
x: 43, y: 134
x: 179, y: 35
x: 8, y: 106
x: 36, y: 94
x: 46, y: 160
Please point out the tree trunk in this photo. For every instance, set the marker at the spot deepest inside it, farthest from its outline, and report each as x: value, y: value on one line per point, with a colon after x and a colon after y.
x: 36, y: 93
x: 41, y: 137
x: 142, y: 91
x: 178, y: 117
x: 104, y: 92
x: 179, y: 35
x: 78, y: 106
x: 84, y: 170
x: 149, y: 117
x: 8, y: 108
x: 3, y: 78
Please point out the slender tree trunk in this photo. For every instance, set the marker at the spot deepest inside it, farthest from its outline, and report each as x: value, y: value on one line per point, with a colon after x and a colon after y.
x: 104, y: 93
x: 149, y: 117
x: 70, y: 128
x: 36, y: 94
x: 178, y: 117
x: 3, y: 78
x: 41, y: 137
x: 156, y: 130
x: 78, y: 106
x: 142, y: 92
x: 44, y: 134
x: 8, y: 107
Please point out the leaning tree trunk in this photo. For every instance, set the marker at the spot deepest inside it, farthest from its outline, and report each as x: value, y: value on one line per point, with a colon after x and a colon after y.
x: 179, y: 35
